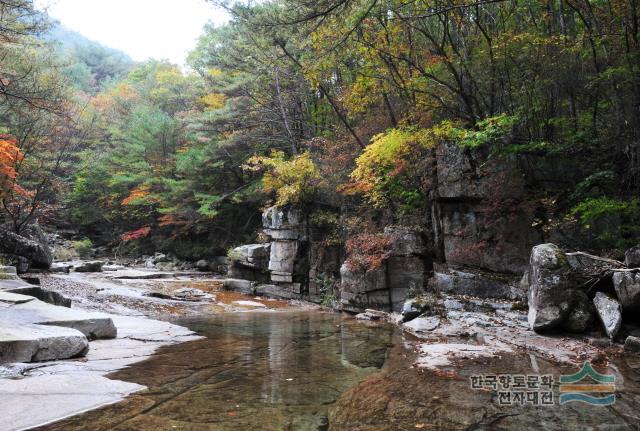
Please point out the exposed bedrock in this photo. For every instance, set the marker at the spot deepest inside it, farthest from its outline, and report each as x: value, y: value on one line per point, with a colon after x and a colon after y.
x: 28, y: 250
x: 403, y: 273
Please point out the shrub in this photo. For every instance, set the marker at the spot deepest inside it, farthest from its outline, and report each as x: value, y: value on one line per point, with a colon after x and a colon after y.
x: 294, y: 181
x: 366, y: 252
x: 395, y: 168
x: 487, y: 132
x: 83, y: 247
x: 615, y: 221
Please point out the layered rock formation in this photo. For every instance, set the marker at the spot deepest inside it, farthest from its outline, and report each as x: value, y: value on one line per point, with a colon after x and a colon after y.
x: 403, y: 273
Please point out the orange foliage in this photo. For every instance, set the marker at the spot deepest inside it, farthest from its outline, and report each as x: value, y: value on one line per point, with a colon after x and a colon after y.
x: 135, y: 195
x: 10, y: 155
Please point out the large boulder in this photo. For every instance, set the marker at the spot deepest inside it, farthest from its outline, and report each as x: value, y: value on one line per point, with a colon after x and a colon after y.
x: 627, y: 286
x: 413, y: 308
x: 610, y: 313
x: 32, y: 343
x: 551, y: 295
x: 632, y: 257
x: 31, y: 246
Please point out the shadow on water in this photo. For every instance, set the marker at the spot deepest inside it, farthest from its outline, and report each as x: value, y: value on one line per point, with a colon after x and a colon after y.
x: 261, y: 371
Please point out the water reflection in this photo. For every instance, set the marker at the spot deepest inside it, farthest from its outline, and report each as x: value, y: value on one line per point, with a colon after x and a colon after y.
x: 267, y: 371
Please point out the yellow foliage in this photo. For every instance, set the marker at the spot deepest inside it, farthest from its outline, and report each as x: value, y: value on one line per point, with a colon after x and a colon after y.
x: 295, y: 181
x: 213, y: 101
x: 380, y: 168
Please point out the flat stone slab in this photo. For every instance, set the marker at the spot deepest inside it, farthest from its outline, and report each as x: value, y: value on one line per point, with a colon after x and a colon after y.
x: 433, y: 356
x: 47, y: 395
x: 69, y: 387
x: 13, y: 298
x: 31, y: 343
x: 135, y: 274
x: 34, y: 311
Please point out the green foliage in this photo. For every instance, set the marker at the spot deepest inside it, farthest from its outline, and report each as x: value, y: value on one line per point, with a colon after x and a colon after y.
x: 598, y: 182
x: 83, y: 247
x: 614, y: 221
x: 326, y: 285
x: 487, y: 132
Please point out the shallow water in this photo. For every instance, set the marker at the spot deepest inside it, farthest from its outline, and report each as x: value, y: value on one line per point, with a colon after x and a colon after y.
x: 313, y: 371
x: 260, y: 371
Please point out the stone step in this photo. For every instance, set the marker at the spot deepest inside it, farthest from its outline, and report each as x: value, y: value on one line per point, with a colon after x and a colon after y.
x: 34, y: 311
x: 31, y: 343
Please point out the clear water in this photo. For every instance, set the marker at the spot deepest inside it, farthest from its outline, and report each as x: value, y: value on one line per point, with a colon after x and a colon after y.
x: 254, y: 371
x: 315, y: 371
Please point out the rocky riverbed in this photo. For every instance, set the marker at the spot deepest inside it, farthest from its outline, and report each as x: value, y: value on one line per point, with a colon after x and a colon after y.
x: 127, y: 301
x: 314, y: 369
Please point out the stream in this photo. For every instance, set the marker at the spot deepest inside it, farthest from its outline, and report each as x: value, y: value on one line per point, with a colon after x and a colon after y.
x: 311, y: 370
x: 255, y: 370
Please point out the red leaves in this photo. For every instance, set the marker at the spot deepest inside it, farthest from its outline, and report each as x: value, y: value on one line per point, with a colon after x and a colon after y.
x: 136, y: 234
x: 366, y: 252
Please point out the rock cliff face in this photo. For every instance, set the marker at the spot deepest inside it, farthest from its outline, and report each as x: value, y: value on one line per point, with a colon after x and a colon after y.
x: 476, y: 240
x: 480, y: 211
x: 401, y: 274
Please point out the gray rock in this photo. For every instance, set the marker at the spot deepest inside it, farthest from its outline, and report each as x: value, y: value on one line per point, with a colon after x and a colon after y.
x: 202, y: 265
x: 632, y: 344
x: 37, y: 312
x: 372, y: 315
x: 283, y: 256
x: 581, y: 316
x: 166, y: 266
x: 632, y: 257
x: 33, y: 247
x: 257, y: 253
x: 453, y: 304
x: 550, y: 290
x: 405, y: 241
x: 421, y: 325
x: 404, y: 274
x: 8, y: 272
x: 111, y: 268
x: 60, y: 267
x: 627, y: 286
x: 279, y: 291
x: 31, y: 343
x: 467, y: 283
x: 90, y: 266
x: 160, y: 257
x: 364, y: 289
x: 610, y: 313
x: 412, y: 308
x: 236, y: 285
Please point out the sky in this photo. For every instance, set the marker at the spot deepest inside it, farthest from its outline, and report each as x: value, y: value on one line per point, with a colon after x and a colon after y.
x: 141, y: 28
